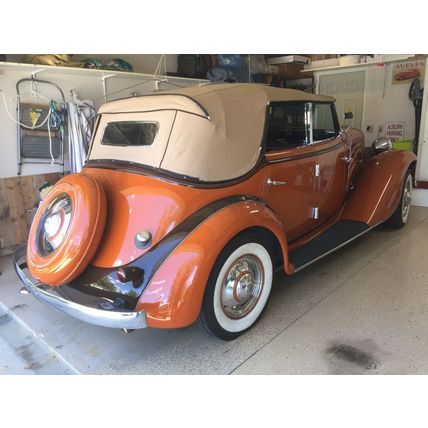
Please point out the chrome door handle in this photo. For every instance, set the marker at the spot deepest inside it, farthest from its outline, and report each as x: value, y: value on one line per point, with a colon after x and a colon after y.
x: 347, y: 159
x: 271, y: 182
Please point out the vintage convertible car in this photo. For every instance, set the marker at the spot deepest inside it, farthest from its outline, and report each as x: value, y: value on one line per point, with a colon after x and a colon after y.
x: 191, y: 198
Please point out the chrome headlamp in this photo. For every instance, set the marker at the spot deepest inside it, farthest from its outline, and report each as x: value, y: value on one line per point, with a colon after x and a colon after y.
x: 54, y: 224
x: 382, y: 144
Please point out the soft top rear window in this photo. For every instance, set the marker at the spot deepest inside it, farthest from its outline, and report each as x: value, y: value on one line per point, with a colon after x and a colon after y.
x: 130, y: 133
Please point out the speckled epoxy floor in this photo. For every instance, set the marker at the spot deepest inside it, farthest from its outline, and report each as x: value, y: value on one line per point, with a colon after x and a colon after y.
x: 361, y: 310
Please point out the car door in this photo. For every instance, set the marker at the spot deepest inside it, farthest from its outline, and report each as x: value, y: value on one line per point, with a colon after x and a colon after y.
x: 332, y: 166
x: 289, y: 186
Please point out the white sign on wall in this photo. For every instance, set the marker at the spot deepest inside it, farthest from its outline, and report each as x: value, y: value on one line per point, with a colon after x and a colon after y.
x: 394, y: 130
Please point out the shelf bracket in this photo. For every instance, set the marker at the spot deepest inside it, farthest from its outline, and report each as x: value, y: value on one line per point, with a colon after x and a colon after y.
x: 158, y: 81
x: 34, y: 73
x: 104, y: 79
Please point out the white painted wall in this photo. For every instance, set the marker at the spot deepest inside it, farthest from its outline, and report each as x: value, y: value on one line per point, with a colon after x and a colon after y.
x: 420, y: 196
x: 86, y: 83
x: 383, y: 101
x: 422, y: 166
x: 386, y: 102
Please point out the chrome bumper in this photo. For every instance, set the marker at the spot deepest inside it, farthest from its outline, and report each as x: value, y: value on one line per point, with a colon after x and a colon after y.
x: 128, y: 320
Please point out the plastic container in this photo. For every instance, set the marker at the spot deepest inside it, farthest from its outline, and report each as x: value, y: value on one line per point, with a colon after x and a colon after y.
x: 402, y: 145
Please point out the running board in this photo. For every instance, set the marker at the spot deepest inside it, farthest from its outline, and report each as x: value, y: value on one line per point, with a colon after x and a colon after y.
x: 340, y: 234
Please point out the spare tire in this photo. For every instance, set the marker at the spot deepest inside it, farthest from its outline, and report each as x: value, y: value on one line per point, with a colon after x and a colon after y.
x: 66, y: 229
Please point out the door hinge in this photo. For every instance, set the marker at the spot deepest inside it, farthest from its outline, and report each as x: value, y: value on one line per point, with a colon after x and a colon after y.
x: 315, y: 212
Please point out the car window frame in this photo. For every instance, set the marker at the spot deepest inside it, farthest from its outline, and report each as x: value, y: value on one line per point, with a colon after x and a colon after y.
x: 309, y: 141
x: 335, y: 122
x: 306, y: 130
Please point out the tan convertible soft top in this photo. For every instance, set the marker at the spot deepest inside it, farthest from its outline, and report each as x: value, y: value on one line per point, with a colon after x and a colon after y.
x: 213, y: 132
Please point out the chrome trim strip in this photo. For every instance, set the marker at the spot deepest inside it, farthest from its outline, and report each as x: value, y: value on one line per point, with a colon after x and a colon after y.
x: 113, y: 319
x: 304, y: 155
x: 335, y: 248
x: 308, y: 123
x: 325, y: 140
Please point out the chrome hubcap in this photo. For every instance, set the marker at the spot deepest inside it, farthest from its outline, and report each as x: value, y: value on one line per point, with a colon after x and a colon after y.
x: 242, y: 286
x: 55, y: 223
x: 407, y: 199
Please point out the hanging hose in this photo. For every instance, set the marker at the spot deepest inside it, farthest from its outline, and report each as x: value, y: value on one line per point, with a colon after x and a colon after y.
x: 17, y: 120
x: 55, y: 121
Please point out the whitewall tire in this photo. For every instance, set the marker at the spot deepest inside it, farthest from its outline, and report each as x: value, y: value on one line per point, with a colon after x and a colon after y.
x: 401, y: 214
x: 238, y: 288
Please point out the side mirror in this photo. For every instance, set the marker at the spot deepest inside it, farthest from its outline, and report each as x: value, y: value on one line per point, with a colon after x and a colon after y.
x: 382, y: 144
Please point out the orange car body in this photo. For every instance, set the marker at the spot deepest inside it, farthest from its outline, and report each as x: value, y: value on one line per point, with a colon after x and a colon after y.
x: 191, y: 221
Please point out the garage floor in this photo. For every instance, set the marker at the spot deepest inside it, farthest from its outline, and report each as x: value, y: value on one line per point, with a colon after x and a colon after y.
x: 361, y: 310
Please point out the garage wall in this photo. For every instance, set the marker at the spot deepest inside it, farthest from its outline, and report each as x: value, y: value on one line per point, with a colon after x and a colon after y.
x: 383, y: 101
x: 420, y: 196
x: 386, y: 102
x: 422, y: 167
x: 86, y: 84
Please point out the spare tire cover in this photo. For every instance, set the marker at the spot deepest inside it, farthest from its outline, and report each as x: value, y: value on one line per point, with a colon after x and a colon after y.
x: 66, y: 229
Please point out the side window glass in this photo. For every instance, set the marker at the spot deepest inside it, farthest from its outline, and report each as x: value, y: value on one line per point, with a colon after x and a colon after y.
x: 323, y: 123
x: 286, y: 126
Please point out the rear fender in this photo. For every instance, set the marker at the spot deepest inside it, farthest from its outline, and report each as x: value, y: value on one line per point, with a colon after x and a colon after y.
x: 378, y: 186
x: 174, y: 295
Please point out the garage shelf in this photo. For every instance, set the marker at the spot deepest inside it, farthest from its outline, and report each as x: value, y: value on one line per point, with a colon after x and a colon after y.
x: 49, y: 70
x: 35, y: 69
x: 363, y: 64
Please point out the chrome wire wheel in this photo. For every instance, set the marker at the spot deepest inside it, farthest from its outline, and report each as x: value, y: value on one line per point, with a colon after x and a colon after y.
x: 242, y: 286
x: 407, y: 199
